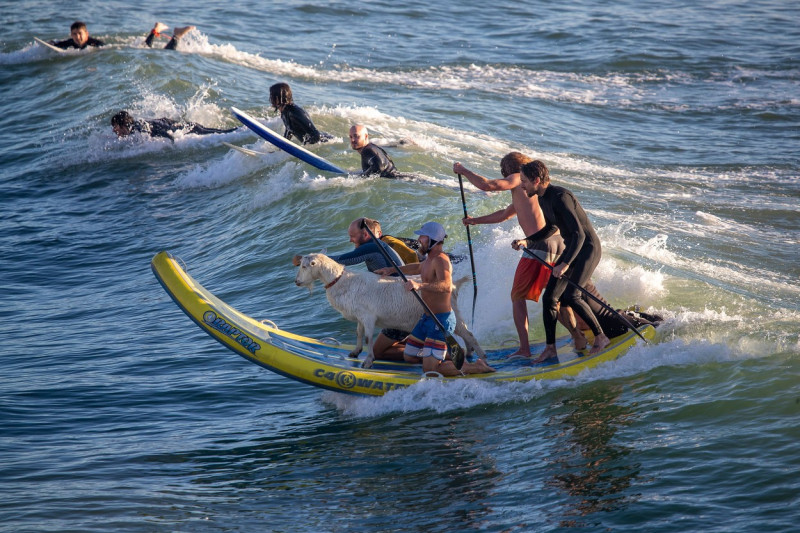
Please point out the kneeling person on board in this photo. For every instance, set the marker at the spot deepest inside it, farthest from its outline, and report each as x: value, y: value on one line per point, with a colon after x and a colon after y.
x: 124, y: 124
x: 611, y: 324
x: 295, y: 119
x: 427, y: 344
x: 158, y: 31
x: 373, y: 158
x: 79, y: 38
x: 582, y: 251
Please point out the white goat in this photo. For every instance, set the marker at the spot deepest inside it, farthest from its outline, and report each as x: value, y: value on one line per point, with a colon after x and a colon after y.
x: 371, y: 300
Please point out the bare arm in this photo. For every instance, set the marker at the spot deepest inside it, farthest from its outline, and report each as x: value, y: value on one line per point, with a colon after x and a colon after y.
x: 492, y: 218
x: 409, y: 269
x: 485, y: 184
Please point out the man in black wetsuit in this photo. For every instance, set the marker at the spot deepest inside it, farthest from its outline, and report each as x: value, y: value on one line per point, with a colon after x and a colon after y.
x: 373, y: 158
x: 124, y: 124
x: 79, y: 38
x: 580, y: 257
x: 159, y: 29
x: 295, y: 119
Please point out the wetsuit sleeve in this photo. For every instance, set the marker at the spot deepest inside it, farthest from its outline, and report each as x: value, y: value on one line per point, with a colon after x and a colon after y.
x: 544, y: 233
x: 150, y: 37
x: 368, y: 253
x: 565, y: 207
x: 64, y: 45
x: 95, y: 42
x: 375, y: 161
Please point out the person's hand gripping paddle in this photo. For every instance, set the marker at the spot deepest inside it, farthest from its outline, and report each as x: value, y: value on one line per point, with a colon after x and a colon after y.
x: 455, y: 349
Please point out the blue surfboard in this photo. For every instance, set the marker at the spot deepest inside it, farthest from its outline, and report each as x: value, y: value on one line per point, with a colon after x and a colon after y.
x: 285, y: 144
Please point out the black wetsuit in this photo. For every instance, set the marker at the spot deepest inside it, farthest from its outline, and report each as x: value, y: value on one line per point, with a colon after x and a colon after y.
x: 165, y: 127
x: 171, y: 45
x: 375, y: 161
x: 582, y: 253
x: 298, y: 123
x: 610, y: 323
x: 69, y: 43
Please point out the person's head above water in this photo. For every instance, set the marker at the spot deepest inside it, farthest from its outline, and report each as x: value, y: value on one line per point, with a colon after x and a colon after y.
x: 122, y: 123
x: 280, y: 95
x: 359, y: 137
x: 79, y: 33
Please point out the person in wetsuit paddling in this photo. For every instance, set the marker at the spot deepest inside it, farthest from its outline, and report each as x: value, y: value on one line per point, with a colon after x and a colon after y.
x: 124, y: 124
x: 79, y: 38
x: 158, y: 31
x: 580, y: 257
x: 295, y: 119
x: 373, y: 158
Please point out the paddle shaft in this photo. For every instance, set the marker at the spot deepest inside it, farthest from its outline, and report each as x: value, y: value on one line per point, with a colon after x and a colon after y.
x: 455, y: 348
x: 589, y: 294
x: 471, y: 256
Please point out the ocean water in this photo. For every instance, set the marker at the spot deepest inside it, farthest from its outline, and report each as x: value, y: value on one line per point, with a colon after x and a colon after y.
x: 677, y: 125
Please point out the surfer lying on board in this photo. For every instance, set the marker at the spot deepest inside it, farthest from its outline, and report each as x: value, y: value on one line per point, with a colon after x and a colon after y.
x: 612, y: 326
x: 531, y: 276
x: 581, y: 254
x: 124, y: 124
x: 373, y: 158
x: 79, y: 38
x: 427, y: 344
x: 158, y: 31
x: 295, y: 119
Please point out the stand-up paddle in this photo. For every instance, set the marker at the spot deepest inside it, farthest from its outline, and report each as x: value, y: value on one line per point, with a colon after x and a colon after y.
x: 587, y: 293
x: 456, y: 351
x: 471, y: 257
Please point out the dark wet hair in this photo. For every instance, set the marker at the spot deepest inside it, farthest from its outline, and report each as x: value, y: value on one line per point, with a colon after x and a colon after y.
x: 512, y: 162
x: 280, y: 95
x: 78, y: 25
x: 123, y: 118
x: 536, y: 169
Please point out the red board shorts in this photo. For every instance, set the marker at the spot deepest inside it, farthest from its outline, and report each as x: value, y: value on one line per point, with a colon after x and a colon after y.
x: 532, y: 276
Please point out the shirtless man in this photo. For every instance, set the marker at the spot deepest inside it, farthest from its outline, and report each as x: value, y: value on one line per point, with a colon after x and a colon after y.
x: 531, y: 276
x: 373, y: 158
x: 79, y: 38
x: 582, y: 251
x: 427, y: 343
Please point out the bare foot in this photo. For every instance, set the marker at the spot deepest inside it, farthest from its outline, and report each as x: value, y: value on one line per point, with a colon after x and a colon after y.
x: 478, y: 367
x: 180, y: 32
x: 160, y: 27
x: 549, y: 352
x: 579, y: 339
x: 600, y: 342
x: 523, y: 353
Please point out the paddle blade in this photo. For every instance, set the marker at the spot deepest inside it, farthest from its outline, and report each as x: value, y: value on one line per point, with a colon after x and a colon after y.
x: 456, y: 352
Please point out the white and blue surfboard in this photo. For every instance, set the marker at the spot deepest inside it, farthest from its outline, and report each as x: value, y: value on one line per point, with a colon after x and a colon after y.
x: 285, y: 144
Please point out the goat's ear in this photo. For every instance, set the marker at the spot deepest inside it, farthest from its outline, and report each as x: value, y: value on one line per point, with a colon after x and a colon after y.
x: 296, y: 260
x: 324, y: 251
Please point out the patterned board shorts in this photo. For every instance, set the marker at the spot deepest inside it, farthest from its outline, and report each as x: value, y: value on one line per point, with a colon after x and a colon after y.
x: 427, y: 340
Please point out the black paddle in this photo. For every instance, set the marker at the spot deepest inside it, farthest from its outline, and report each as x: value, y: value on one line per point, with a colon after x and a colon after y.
x: 471, y: 257
x: 587, y: 293
x: 456, y: 351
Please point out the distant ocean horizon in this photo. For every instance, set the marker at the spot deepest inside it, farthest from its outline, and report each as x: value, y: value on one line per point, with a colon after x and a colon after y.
x: 676, y: 126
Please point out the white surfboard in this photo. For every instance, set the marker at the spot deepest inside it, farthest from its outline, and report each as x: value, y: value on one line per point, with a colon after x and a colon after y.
x: 50, y: 46
x: 245, y: 151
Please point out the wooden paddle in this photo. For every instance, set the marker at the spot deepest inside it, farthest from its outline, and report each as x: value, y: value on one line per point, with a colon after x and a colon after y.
x: 456, y: 351
x: 590, y: 295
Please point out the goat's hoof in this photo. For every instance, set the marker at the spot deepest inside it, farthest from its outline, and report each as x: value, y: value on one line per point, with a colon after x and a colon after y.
x: 367, y: 362
x: 353, y: 355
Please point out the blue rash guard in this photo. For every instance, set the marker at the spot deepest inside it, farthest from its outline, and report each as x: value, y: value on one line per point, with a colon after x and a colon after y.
x: 369, y: 254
